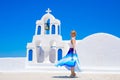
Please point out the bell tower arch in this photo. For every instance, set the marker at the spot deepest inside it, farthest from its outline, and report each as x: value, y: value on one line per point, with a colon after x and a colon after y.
x: 48, y: 25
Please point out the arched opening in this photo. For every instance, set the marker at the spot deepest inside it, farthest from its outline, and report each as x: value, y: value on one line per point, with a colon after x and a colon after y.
x: 52, y: 51
x: 47, y: 26
x: 40, y: 55
x: 53, y: 29
x: 59, y: 54
x: 52, y: 55
x: 30, y: 55
x: 39, y: 30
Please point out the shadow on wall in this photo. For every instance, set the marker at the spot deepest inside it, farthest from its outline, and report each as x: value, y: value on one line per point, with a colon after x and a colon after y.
x: 40, y: 55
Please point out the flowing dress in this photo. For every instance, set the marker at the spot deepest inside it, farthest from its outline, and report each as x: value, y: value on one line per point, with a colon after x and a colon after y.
x: 70, y: 60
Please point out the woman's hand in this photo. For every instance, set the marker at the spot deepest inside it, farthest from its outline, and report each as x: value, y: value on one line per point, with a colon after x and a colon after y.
x: 74, y: 51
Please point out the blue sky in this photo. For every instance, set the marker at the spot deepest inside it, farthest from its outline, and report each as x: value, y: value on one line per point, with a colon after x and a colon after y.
x: 18, y: 17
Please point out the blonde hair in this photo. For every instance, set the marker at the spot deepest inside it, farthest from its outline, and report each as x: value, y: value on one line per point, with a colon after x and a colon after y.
x: 73, y: 32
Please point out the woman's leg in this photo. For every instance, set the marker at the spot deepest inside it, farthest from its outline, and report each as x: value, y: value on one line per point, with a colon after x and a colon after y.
x: 72, y: 72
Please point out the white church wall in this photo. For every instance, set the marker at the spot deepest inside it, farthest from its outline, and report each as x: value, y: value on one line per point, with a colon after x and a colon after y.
x: 99, y: 51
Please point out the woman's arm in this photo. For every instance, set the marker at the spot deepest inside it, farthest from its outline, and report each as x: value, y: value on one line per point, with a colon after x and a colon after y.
x: 74, y: 44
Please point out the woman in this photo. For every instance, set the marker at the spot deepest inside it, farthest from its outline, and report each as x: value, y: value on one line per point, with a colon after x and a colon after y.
x: 71, y: 61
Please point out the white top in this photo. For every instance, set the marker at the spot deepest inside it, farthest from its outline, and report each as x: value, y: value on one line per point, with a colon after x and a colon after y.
x: 71, y: 45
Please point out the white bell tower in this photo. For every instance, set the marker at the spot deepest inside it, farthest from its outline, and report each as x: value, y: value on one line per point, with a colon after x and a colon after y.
x: 48, y: 25
x: 47, y: 45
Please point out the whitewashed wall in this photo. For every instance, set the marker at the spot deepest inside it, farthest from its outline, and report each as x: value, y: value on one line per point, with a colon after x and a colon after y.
x: 99, y: 51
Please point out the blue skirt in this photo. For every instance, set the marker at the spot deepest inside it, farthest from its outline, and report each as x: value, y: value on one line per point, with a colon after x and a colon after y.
x: 70, y: 60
